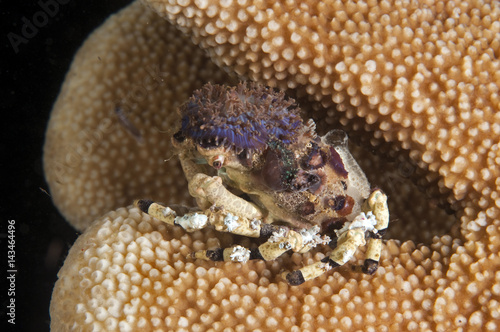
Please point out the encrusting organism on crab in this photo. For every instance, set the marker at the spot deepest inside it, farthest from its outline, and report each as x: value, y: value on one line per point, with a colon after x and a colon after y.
x: 241, y: 119
x: 256, y: 169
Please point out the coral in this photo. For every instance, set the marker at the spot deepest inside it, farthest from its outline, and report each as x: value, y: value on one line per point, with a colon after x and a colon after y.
x: 132, y: 273
x: 129, y: 272
x: 400, y: 70
x: 108, y: 139
x: 415, y: 81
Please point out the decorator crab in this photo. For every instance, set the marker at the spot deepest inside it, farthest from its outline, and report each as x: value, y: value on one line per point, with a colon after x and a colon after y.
x: 257, y: 169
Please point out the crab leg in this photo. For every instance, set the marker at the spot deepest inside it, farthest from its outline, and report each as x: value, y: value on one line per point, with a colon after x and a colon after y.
x: 281, y: 240
x: 377, y: 203
x: 223, y: 220
x: 351, y: 237
x: 347, y: 245
x: 209, y: 190
x: 213, y: 190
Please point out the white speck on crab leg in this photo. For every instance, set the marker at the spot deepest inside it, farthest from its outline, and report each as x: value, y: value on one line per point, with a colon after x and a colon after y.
x: 310, y: 237
x: 255, y: 224
x: 168, y: 212
x: 365, y: 222
x: 348, y: 254
x: 285, y: 245
x: 239, y: 254
x: 277, y: 236
x: 231, y: 222
x: 192, y: 222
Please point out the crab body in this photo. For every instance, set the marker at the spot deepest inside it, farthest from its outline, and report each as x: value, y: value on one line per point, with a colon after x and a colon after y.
x: 252, y: 161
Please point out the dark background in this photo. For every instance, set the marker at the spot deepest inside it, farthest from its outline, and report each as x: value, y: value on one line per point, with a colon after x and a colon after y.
x: 31, y: 80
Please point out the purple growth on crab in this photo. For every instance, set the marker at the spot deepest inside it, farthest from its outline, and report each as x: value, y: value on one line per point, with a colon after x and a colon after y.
x: 244, y: 117
x: 315, y: 158
x: 337, y: 164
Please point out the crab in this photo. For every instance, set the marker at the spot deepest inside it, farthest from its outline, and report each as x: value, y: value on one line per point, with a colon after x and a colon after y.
x: 257, y: 169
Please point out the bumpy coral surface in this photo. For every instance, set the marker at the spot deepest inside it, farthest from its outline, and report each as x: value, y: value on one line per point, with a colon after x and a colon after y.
x: 129, y: 272
x: 424, y: 74
x: 416, y: 81
x: 108, y: 139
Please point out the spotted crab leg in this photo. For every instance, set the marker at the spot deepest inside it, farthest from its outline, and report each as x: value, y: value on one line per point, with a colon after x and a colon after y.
x: 281, y: 240
x: 222, y: 219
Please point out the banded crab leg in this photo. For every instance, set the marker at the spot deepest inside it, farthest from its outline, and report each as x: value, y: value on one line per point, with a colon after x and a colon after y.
x: 377, y: 204
x: 282, y: 240
x: 279, y: 238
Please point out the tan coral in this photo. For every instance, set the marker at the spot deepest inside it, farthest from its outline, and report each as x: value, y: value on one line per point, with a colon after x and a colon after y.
x: 130, y: 272
x: 424, y: 74
x: 400, y: 80
x: 98, y: 158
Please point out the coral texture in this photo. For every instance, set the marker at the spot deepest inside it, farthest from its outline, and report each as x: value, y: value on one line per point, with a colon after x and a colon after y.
x: 416, y: 81
x: 108, y: 139
x: 424, y: 75
x: 130, y: 272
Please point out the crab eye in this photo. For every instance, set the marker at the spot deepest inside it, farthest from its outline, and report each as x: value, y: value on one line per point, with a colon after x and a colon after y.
x: 218, y: 162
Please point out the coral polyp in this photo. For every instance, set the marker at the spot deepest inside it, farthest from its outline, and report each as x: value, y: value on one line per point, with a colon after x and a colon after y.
x: 243, y: 117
